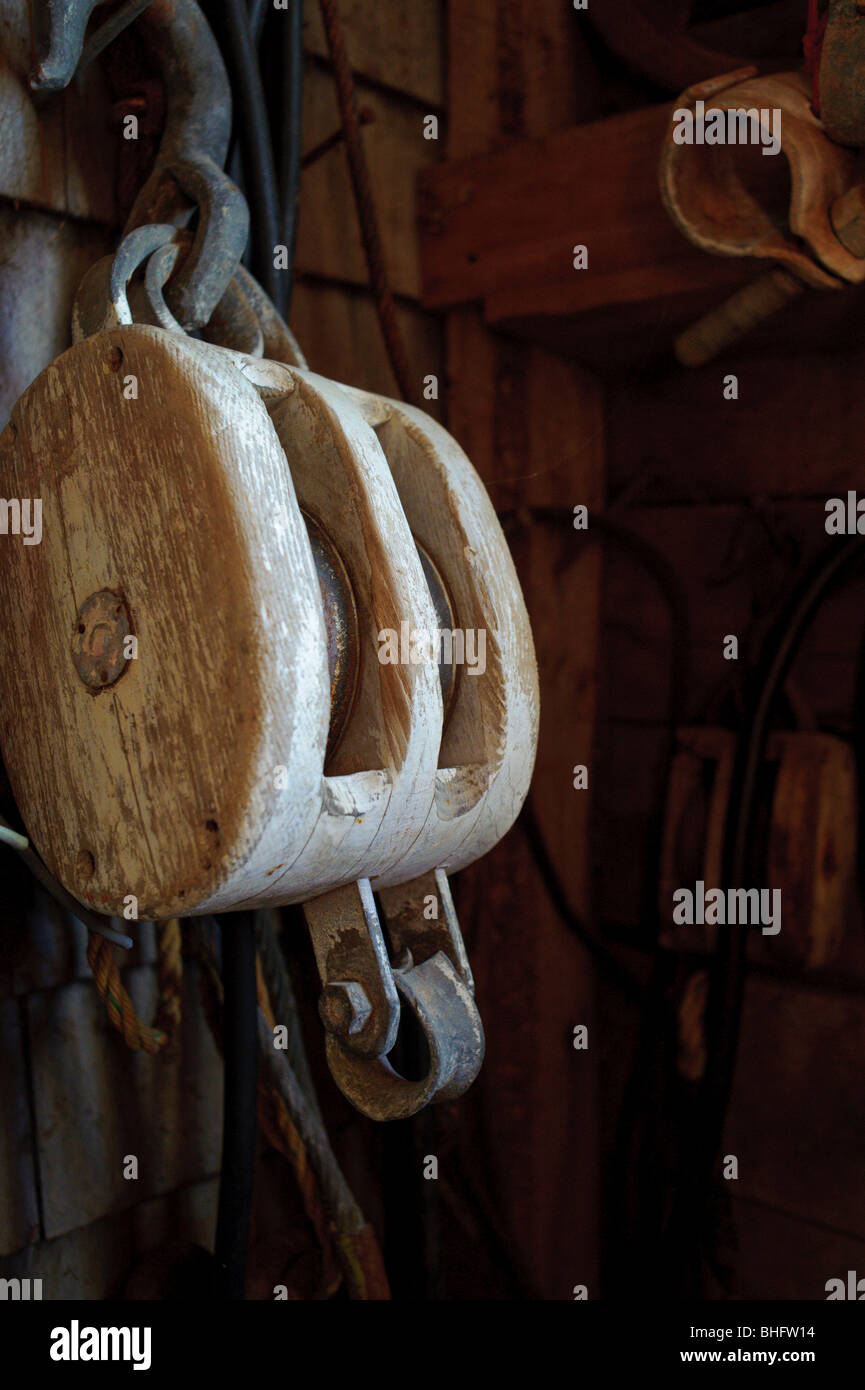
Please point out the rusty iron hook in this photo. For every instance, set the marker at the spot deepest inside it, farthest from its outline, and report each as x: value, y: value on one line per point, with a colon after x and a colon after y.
x: 188, y: 174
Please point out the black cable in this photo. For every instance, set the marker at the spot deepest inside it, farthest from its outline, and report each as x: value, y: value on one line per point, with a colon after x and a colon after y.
x: 257, y: 15
x: 602, y: 525
x: 727, y: 979
x: 254, y: 130
x: 290, y: 151
x: 240, y: 1076
x: 724, y: 1008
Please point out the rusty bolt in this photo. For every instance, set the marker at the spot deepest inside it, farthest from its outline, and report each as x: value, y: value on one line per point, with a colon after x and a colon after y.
x: 100, y: 631
x: 344, y: 1007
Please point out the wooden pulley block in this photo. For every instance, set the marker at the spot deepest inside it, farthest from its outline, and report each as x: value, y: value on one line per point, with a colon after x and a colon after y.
x: 270, y: 648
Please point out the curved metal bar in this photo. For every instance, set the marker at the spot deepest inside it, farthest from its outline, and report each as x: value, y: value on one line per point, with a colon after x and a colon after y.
x: 133, y: 250
x: 280, y: 344
x: 156, y: 276
x: 234, y: 323
x: 62, y: 24
x: 188, y: 172
x: 108, y: 32
x: 443, y: 1006
x: 214, y: 257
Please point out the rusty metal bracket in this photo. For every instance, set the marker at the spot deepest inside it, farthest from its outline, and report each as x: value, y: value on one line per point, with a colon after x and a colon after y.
x: 421, y: 920
x: 359, y: 1001
x: 445, y: 1010
x: 188, y: 173
x: 363, y: 993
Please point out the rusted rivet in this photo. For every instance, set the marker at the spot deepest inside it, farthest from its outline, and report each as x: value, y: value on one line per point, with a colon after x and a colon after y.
x: 101, y: 628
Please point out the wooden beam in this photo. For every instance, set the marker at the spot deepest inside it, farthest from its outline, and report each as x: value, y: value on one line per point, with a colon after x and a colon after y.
x: 503, y: 227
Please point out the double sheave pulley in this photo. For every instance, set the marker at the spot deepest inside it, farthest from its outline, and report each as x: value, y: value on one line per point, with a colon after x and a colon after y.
x: 271, y: 649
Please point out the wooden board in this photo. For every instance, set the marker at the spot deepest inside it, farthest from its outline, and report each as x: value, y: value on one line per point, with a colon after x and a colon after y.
x: 60, y: 154
x: 792, y: 432
x: 797, y: 1120
x: 503, y: 227
x: 400, y: 44
x: 329, y: 242
x: 339, y: 332
x: 43, y: 260
x: 784, y: 1257
x: 516, y: 68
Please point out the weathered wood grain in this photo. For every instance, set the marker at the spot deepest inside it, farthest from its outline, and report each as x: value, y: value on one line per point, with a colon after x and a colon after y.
x: 156, y: 786
x: 487, y: 752
x: 58, y: 155
x: 394, y: 730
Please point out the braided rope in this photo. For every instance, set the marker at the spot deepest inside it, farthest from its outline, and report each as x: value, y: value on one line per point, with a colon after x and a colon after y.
x: 294, y: 1127
x: 139, y: 1036
x: 282, y: 1132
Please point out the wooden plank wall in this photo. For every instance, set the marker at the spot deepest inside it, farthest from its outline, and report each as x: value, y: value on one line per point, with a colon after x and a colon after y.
x: 397, y: 53
x: 83, y: 1237
x: 734, y: 492
x: 533, y: 426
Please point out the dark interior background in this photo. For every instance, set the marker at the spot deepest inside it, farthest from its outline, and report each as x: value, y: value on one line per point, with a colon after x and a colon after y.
x: 562, y: 1167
